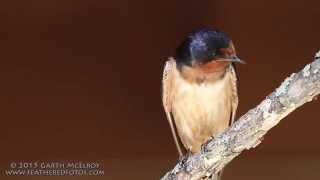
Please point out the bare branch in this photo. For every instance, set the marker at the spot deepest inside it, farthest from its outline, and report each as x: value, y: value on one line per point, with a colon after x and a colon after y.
x: 248, y: 131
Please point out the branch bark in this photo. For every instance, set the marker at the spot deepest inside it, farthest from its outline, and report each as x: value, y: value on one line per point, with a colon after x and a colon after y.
x: 248, y: 131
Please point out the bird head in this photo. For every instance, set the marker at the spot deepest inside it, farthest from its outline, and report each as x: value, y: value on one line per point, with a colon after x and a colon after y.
x: 206, y: 46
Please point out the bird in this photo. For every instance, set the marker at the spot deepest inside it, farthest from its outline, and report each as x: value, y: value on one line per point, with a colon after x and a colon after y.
x: 200, y: 88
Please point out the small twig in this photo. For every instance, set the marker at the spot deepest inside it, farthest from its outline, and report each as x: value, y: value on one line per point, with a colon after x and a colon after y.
x: 247, y: 132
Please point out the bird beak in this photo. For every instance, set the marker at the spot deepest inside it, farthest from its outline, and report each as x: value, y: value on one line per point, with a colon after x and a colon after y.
x: 236, y: 59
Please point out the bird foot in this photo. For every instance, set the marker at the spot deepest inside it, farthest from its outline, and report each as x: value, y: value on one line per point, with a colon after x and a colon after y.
x: 185, y: 157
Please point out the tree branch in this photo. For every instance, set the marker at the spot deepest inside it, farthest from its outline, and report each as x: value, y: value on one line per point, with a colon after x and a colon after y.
x: 248, y: 131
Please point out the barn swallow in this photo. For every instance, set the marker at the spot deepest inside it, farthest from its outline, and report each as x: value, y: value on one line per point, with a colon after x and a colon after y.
x: 199, y: 88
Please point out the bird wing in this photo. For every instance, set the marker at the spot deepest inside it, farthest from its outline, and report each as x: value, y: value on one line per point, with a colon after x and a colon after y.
x: 235, y: 99
x: 167, y: 80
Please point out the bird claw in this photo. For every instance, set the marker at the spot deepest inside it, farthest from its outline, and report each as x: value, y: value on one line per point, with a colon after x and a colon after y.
x: 203, y: 146
x: 184, y: 158
x: 181, y: 158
